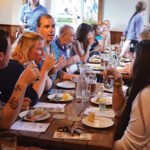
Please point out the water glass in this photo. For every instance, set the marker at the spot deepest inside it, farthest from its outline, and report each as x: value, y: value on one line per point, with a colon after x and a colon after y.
x: 85, y: 95
x: 8, y: 140
x: 102, y: 104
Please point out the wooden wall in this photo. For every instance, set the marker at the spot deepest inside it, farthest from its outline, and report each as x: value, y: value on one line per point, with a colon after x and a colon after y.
x: 11, y: 29
x: 115, y: 36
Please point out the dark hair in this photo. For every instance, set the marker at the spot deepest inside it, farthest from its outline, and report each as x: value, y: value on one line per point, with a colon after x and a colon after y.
x: 40, y: 17
x: 141, y: 78
x: 140, y: 6
x: 3, y: 41
x: 94, y: 26
x: 82, y: 32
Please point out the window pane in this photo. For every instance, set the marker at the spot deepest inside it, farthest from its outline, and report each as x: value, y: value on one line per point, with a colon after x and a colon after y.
x: 90, y: 11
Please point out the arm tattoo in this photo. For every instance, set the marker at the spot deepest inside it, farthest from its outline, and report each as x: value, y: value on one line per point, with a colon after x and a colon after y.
x: 13, y: 103
x: 17, y: 88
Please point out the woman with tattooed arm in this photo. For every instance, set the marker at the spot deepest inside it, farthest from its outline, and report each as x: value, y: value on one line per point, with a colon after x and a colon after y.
x: 10, y: 111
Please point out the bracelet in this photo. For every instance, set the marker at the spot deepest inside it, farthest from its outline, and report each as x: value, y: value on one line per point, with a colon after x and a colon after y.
x: 117, y: 84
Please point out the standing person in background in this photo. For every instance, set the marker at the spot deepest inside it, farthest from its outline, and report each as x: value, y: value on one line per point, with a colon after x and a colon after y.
x: 10, y: 111
x: 29, y: 13
x: 83, y: 42
x: 134, y: 28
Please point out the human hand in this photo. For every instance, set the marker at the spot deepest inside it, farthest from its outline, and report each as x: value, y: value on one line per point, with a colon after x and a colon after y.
x: 49, y: 63
x: 26, y: 103
x: 29, y: 75
x: 90, y: 40
x: 112, y: 72
x: 61, y: 63
x: 104, y: 35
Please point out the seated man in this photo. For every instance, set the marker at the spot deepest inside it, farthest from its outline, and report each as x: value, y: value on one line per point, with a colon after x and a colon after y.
x: 10, y: 111
x: 46, y: 27
x: 65, y: 38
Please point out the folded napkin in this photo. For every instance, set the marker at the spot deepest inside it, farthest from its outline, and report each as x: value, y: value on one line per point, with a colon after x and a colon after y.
x: 30, y: 126
x: 51, y: 107
x: 107, y: 113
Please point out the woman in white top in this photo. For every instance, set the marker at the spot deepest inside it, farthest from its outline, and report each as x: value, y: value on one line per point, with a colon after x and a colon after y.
x: 133, y: 130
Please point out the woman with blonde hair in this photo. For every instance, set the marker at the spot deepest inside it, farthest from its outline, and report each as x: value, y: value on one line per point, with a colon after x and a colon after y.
x: 29, y: 47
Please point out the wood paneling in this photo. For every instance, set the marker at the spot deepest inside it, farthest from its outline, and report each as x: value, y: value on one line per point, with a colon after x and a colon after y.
x: 12, y: 29
x: 115, y: 36
x: 100, y: 10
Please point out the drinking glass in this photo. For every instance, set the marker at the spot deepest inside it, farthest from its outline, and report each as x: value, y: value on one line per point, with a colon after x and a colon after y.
x: 92, y: 80
x: 28, y: 63
x: 86, y: 93
x: 108, y: 84
x: 102, y: 104
x: 8, y: 140
x: 72, y: 115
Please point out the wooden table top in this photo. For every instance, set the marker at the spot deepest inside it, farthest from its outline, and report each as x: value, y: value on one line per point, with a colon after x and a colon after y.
x: 101, y: 138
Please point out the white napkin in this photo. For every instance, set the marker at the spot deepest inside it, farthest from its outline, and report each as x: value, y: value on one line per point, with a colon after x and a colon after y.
x: 30, y: 126
x: 107, y: 113
x: 49, y: 105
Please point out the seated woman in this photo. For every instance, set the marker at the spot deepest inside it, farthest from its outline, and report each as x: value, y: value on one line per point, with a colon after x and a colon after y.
x: 133, y: 130
x: 10, y: 111
x: 97, y: 37
x: 28, y: 47
x: 83, y: 42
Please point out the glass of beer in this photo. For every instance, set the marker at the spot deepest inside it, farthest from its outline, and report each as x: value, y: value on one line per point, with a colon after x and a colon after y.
x: 92, y: 80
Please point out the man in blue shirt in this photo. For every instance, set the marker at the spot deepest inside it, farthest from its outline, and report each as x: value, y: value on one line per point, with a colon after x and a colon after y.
x: 65, y: 38
x: 29, y: 13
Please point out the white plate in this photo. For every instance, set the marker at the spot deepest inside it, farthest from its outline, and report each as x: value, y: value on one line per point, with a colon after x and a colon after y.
x: 108, y: 100
x: 51, y: 96
x: 44, y: 116
x: 108, y: 90
x: 95, y: 60
x: 99, y: 122
x: 66, y: 84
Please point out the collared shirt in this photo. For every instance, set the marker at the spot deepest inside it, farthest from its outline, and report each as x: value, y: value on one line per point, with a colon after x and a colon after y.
x: 29, y: 16
x: 62, y: 50
x: 134, y: 27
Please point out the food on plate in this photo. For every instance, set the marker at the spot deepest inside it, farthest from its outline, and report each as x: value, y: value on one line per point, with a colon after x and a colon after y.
x: 96, y: 67
x: 91, y: 117
x: 66, y: 96
x: 38, y: 112
x: 101, y: 100
x: 122, y: 59
x: 31, y: 117
x: 95, y: 60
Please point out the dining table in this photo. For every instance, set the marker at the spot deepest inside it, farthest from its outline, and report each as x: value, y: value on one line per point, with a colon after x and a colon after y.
x: 102, y: 138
